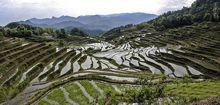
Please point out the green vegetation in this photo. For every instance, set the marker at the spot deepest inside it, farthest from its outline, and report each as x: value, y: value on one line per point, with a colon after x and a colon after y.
x: 200, y: 11
x: 181, y: 92
x: 76, y: 94
x: 61, y: 33
x: 20, y: 30
x: 183, y: 45
x: 58, y: 96
x: 93, y: 92
x: 82, y: 59
x: 200, y: 90
x: 39, y: 34
x: 1, y: 35
x: 107, y: 88
x: 90, y: 89
x: 76, y: 31
x: 43, y: 102
x: 7, y: 93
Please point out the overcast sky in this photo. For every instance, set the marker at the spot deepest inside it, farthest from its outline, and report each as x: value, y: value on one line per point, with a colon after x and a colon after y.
x: 15, y: 10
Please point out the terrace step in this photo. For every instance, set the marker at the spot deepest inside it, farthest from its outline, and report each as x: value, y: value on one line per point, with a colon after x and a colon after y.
x: 68, y: 99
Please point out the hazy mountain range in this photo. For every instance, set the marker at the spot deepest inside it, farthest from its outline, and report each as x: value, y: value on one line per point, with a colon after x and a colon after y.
x: 92, y: 24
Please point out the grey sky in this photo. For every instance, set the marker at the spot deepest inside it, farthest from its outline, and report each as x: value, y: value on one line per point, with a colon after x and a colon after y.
x: 15, y: 10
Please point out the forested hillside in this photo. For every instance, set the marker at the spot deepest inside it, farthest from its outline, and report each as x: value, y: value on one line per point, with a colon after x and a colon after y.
x: 200, y: 11
x: 38, y: 34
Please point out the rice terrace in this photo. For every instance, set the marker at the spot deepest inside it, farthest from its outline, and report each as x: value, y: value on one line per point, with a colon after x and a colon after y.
x: 173, y: 59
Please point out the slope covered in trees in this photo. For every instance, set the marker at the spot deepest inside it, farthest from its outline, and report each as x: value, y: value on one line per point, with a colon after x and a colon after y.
x: 200, y: 11
x: 39, y: 34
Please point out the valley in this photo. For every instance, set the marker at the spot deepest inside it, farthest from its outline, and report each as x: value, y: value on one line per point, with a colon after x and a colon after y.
x: 171, y: 60
x: 44, y: 73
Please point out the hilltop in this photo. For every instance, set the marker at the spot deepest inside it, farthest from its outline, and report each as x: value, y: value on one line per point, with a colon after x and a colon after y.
x: 200, y: 11
x: 92, y: 24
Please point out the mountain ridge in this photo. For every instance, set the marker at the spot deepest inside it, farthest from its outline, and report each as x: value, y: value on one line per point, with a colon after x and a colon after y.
x: 91, y: 22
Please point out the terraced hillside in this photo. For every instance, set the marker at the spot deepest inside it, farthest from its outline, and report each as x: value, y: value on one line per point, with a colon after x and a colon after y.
x: 45, y: 74
x: 135, y: 64
x: 27, y: 67
x: 195, y: 46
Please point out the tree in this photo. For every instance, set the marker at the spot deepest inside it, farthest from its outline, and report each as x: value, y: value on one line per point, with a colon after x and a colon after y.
x: 38, y: 31
x: 61, y: 33
x: 26, y: 33
x: 12, y: 25
x: 142, y: 26
x: 1, y: 34
x: 48, y: 30
x: 61, y: 43
x: 20, y: 28
x: 76, y: 31
x: 200, y: 11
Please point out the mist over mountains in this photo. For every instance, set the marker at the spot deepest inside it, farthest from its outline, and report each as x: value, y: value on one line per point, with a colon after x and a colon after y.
x: 92, y: 24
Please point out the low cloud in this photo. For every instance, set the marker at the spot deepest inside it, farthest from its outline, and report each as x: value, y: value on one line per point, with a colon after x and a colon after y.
x: 172, y: 5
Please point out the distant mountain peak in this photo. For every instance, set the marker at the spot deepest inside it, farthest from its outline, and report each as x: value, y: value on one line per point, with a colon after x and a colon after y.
x: 32, y: 18
x: 92, y: 22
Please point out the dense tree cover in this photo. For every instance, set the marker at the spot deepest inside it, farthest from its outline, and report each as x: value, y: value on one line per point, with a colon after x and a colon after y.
x: 128, y: 30
x: 39, y: 34
x: 21, y: 30
x: 61, y: 33
x: 15, y: 29
x: 76, y: 31
x: 200, y: 11
x: 115, y: 32
x: 1, y: 32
